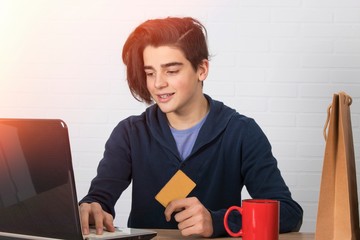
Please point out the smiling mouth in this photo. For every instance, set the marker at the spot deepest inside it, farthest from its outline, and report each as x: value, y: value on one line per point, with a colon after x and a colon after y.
x: 164, y: 96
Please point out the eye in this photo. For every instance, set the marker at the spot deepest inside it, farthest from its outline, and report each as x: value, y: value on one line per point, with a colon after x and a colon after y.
x: 149, y: 74
x: 172, y: 72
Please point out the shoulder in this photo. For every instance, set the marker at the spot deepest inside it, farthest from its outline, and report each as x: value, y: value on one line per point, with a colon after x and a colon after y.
x: 149, y: 120
x: 237, y: 122
x: 223, y: 112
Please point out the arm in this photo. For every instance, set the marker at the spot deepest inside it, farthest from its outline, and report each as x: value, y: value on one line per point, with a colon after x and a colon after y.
x: 113, y: 177
x: 262, y: 179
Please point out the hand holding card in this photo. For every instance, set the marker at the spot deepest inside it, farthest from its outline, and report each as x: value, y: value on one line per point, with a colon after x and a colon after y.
x: 179, y: 186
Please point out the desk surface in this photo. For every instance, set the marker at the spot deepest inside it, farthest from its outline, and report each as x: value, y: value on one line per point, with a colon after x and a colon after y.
x: 175, y: 234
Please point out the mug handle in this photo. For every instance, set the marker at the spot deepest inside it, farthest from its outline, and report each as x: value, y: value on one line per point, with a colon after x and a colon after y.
x: 231, y: 233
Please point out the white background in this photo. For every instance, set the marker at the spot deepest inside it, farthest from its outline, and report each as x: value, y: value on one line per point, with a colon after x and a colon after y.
x: 278, y: 61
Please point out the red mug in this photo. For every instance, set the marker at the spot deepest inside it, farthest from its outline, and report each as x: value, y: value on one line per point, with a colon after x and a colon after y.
x: 260, y: 219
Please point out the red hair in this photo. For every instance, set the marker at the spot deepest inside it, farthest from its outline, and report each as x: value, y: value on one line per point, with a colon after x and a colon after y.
x: 186, y: 34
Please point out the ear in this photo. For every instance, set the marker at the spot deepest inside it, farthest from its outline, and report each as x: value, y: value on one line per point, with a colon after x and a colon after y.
x: 203, y: 69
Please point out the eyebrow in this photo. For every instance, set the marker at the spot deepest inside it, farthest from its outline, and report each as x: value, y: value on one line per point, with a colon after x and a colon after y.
x: 165, y: 65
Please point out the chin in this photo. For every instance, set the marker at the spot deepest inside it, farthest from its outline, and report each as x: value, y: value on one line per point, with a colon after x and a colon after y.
x: 165, y: 109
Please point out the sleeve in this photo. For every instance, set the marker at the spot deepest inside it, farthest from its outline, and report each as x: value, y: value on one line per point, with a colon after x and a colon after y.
x: 114, y: 170
x: 263, y: 180
x: 234, y: 222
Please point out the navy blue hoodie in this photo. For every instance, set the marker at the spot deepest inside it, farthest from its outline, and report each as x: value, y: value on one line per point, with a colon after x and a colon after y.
x: 231, y: 152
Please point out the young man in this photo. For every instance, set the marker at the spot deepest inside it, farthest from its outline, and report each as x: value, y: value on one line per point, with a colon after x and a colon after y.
x: 219, y: 149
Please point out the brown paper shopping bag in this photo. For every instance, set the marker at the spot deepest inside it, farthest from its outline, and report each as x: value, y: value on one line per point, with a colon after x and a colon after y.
x: 338, y: 214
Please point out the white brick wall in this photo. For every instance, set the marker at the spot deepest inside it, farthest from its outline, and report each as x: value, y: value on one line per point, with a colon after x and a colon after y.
x: 278, y: 61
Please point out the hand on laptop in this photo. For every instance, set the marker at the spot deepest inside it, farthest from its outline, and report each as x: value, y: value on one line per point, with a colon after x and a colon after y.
x: 93, y: 214
x: 192, y: 216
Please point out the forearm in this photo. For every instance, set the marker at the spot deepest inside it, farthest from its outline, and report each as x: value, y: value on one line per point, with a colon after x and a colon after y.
x: 291, y: 215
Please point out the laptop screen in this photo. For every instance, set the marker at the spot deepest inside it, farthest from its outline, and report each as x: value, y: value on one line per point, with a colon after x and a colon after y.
x: 37, y: 195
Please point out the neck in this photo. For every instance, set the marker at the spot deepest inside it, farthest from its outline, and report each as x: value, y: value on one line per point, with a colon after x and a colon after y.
x: 189, y: 118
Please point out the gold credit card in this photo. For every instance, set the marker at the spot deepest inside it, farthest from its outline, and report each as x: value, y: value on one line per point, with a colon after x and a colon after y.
x: 179, y: 186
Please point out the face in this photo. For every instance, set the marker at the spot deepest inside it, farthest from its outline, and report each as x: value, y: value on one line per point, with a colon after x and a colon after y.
x: 172, y: 81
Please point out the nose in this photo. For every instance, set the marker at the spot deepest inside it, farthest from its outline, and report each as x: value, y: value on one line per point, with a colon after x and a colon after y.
x: 160, y: 81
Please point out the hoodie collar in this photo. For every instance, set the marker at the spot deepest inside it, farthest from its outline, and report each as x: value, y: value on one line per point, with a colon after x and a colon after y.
x: 215, y: 124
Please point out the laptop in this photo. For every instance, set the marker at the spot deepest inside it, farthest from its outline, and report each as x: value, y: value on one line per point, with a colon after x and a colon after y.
x: 37, y: 188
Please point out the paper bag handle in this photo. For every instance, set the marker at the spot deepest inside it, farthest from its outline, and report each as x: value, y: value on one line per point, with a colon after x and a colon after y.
x: 348, y: 101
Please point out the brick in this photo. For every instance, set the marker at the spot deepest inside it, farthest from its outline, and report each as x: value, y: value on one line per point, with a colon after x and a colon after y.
x: 246, y: 105
x: 221, y: 60
x: 331, y: 61
x: 290, y: 179
x: 251, y: 60
x: 233, y: 74
x: 347, y: 46
x: 301, y: 15
x: 299, y: 76
x: 270, y: 3
x: 268, y: 29
x: 351, y: 15
x: 252, y: 14
x: 285, y: 29
x: 296, y: 105
x: 302, y: 46
x: 226, y: 37
x: 284, y: 150
x: 356, y: 31
x: 271, y: 90
x: 283, y: 134
x: 309, y: 225
x: 312, y: 148
x: 332, y: 3
x: 311, y: 119
x: 327, y: 30
x: 275, y: 119
x: 319, y: 91
x: 230, y: 14
x: 216, y: 88
x: 306, y: 195
x: 95, y: 131
x: 349, y: 76
x: 252, y: 44
x: 310, y: 210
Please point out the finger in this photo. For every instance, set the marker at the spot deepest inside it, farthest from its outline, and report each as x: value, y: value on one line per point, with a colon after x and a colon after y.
x: 189, y: 231
x: 174, y: 206
x: 186, y: 223
x: 186, y: 232
x: 109, y: 222
x: 84, y: 217
x: 190, y: 226
x: 195, y: 226
x: 168, y: 212
x: 183, y: 215
x: 99, y: 219
x: 192, y: 207
x: 201, y: 225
